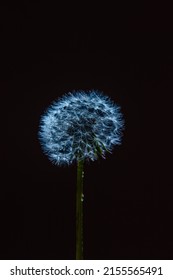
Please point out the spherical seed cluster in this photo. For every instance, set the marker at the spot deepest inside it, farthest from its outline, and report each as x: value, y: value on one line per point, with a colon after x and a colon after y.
x: 80, y: 125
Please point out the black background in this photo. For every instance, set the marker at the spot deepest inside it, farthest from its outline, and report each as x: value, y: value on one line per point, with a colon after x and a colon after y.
x: 48, y: 51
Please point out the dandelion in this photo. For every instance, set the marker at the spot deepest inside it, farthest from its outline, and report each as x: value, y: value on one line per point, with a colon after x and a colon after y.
x: 78, y: 127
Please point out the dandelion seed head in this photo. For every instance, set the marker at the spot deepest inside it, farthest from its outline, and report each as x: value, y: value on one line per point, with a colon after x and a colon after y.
x: 81, y: 125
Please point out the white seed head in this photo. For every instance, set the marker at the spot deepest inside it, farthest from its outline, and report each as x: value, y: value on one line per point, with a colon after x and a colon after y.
x: 80, y: 125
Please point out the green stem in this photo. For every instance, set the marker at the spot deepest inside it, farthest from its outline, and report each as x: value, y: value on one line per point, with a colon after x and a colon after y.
x: 79, y: 210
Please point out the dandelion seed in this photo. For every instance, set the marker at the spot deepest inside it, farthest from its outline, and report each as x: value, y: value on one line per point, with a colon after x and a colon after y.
x: 81, y: 125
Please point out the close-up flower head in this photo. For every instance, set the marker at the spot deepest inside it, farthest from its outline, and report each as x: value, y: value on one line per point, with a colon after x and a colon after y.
x: 81, y: 125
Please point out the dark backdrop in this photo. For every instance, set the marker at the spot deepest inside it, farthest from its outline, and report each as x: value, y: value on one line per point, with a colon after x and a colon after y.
x: 46, y: 52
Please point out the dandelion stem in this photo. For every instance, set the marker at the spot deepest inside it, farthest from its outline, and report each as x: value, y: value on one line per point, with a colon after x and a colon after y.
x: 79, y: 210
